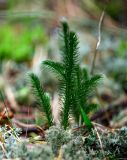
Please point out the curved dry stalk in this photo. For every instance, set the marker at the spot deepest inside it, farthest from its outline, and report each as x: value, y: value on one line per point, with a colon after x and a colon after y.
x: 101, y: 145
x: 98, y: 42
x: 3, y: 148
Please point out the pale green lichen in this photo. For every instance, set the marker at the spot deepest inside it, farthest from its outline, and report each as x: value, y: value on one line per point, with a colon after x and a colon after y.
x: 73, y: 146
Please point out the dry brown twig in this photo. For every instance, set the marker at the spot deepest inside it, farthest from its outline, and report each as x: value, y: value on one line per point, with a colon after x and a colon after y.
x: 29, y: 127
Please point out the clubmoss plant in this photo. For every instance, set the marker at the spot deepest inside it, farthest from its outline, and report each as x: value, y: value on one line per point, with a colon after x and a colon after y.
x: 43, y: 98
x: 75, y: 84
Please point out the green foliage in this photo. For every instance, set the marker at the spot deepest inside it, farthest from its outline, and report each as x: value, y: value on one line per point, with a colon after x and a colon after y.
x: 85, y: 86
x: 55, y: 67
x: 70, y: 62
x: 42, y: 98
x: 86, y: 119
x: 18, y: 43
x: 75, y: 84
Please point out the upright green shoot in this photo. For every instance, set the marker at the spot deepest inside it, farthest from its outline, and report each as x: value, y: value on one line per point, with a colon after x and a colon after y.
x: 41, y: 97
x: 75, y: 83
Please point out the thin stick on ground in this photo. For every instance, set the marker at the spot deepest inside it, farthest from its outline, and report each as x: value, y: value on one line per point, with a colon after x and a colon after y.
x: 98, y: 42
x: 101, y: 145
x: 3, y: 148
